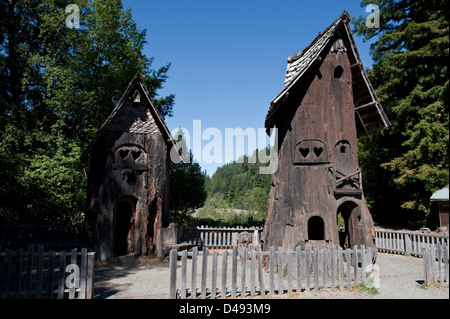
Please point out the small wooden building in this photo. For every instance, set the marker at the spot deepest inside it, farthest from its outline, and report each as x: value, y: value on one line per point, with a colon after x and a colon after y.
x: 442, y: 198
x: 327, y: 102
x: 128, y: 185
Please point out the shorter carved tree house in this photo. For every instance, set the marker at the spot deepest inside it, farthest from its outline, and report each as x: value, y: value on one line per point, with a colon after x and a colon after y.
x: 127, y: 195
x: 327, y: 102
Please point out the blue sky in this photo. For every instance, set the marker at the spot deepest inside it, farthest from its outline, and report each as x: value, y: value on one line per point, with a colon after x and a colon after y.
x: 228, y: 58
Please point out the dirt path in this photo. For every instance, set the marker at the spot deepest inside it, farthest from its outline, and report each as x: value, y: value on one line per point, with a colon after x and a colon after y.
x: 400, y: 278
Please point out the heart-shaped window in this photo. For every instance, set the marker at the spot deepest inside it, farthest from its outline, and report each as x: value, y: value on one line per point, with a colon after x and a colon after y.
x: 304, y: 152
x: 136, y: 154
x: 318, y: 151
x: 124, y: 153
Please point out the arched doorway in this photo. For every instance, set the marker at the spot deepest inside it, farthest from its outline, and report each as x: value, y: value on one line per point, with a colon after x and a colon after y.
x: 345, y: 224
x: 123, y: 214
x: 316, y: 228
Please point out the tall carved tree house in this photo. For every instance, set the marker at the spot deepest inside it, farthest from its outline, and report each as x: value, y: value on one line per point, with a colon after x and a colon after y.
x: 327, y: 102
x: 128, y: 185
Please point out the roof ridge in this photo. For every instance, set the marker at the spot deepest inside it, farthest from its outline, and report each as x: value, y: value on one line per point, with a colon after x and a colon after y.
x: 299, y: 64
x: 135, y: 83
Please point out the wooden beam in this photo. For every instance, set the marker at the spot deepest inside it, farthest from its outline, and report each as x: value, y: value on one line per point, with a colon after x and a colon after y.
x: 373, y: 103
x: 348, y: 176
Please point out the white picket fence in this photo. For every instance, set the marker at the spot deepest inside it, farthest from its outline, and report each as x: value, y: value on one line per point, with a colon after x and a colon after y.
x: 35, y: 274
x: 435, y: 264
x: 386, y: 240
x: 215, y: 237
x: 245, y: 272
x: 407, y: 242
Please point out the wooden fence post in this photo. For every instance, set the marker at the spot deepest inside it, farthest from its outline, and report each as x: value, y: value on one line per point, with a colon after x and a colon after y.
x: 316, y: 269
x: 363, y: 264
x: 29, y: 275
x: 204, y: 272
x: 83, y: 273
x: 271, y: 270
x: 39, y: 272
x: 51, y: 274
x: 6, y: 273
x: 183, y: 274
x: 214, y: 276
x: 253, y: 273
x: 18, y: 274
x: 355, y: 264
x: 348, y: 261
x: 223, y: 293
x: 90, y: 275
x: 298, y: 251
x: 341, y: 268
x: 280, y: 270
x: 333, y: 267
x: 262, y: 288
x: 173, y: 274
x: 243, y: 272
x: 194, y: 273
x: 234, y: 272
x: 324, y: 268
x: 289, y: 270
x: 73, y: 261
x: 307, y: 268
x: 62, y: 274
x: 408, y: 246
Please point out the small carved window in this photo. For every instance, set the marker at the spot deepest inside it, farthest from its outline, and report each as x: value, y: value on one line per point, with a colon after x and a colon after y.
x: 338, y: 71
x: 316, y: 228
x: 311, y: 152
x: 129, y: 155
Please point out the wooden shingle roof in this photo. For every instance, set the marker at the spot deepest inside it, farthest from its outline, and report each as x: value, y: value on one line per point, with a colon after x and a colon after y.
x: 367, y: 106
x: 134, y: 120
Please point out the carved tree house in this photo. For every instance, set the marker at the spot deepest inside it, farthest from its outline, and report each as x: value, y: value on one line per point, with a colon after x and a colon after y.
x: 127, y: 195
x: 327, y: 102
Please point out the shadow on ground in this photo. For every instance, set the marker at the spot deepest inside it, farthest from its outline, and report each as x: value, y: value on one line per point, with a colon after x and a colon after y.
x: 107, y: 275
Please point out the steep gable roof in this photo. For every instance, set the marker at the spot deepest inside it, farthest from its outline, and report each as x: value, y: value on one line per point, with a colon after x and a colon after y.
x: 367, y: 106
x: 134, y: 119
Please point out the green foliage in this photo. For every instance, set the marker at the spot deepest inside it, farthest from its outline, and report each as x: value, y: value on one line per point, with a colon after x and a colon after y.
x: 57, y: 87
x: 237, y: 192
x: 404, y: 164
x: 187, y: 185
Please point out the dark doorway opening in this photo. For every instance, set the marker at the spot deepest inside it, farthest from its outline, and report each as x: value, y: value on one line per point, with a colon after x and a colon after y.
x: 123, y: 212
x: 345, y: 224
x: 316, y: 228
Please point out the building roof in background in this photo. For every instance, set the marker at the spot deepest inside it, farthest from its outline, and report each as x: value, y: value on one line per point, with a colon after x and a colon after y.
x: 441, y: 194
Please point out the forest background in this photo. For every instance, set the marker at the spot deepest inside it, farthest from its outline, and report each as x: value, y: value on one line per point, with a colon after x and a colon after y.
x: 54, y: 95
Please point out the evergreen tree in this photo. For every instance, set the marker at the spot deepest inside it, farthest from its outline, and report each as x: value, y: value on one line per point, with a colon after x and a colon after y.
x: 405, y: 163
x: 241, y: 185
x: 187, y: 185
x: 57, y: 87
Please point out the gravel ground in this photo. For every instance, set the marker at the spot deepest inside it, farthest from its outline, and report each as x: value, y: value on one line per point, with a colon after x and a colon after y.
x: 400, y: 278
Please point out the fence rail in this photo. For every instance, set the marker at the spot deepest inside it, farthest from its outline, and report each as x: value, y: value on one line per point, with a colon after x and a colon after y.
x: 37, y: 274
x: 249, y: 272
x: 407, y: 242
x: 213, y: 237
x: 435, y: 264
